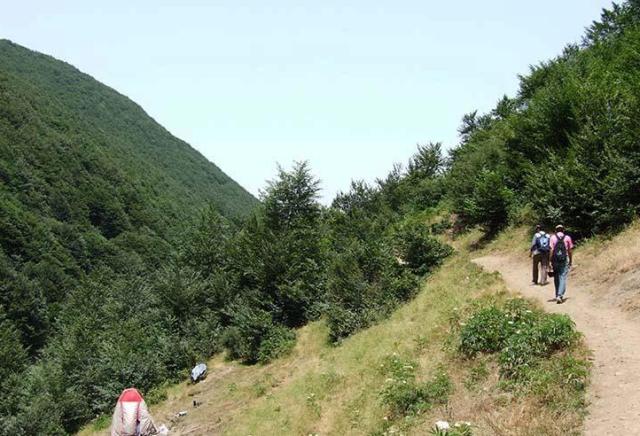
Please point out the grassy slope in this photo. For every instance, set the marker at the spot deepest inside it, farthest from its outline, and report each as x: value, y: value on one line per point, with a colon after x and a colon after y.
x: 336, y: 390
x: 611, y: 268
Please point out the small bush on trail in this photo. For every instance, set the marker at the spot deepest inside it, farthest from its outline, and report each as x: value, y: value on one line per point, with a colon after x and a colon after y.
x: 486, y: 331
x: 533, y: 341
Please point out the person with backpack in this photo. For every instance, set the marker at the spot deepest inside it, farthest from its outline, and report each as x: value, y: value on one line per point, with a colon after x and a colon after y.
x: 540, y: 245
x: 561, y: 259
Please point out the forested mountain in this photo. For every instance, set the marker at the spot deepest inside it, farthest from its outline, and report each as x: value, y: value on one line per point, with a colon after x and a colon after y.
x: 87, y: 179
x: 64, y: 135
x: 92, y: 191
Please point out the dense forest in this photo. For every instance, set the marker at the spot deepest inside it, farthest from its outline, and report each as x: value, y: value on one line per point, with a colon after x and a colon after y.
x: 92, y: 191
x: 126, y: 258
x: 566, y: 148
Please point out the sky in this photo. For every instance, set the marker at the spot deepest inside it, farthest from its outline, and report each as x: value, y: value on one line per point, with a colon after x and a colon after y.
x: 350, y: 86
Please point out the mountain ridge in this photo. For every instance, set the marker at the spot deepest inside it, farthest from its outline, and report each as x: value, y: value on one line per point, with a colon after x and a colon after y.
x: 121, y: 126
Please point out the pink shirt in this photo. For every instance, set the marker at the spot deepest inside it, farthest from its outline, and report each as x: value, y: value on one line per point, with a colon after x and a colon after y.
x: 568, y: 242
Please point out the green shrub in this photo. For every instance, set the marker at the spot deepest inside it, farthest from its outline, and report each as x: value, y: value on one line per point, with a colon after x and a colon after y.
x: 344, y: 322
x: 441, y: 226
x: 551, y: 333
x: 520, y: 334
x: 486, y: 331
x: 278, y: 342
x: 103, y: 422
x: 156, y: 395
x: 404, y: 396
x: 415, y: 246
x: 253, y: 337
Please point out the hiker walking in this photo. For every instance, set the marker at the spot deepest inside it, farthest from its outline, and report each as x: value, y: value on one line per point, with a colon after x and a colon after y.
x: 561, y: 258
x: 540, y: 246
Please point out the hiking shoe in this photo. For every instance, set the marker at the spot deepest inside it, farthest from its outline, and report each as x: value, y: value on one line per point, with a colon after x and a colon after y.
x: 558, y: 300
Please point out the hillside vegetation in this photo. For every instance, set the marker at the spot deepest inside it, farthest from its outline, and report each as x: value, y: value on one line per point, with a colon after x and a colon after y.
x: 134, y: 313
x: 94, y: 196
x: 566, y: 147
x: 427, y: 362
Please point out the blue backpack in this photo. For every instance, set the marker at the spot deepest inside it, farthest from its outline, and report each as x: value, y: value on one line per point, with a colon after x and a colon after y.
x: 543, y: 243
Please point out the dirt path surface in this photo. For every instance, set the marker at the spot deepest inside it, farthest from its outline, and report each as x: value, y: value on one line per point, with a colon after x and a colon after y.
x: 614, y: 339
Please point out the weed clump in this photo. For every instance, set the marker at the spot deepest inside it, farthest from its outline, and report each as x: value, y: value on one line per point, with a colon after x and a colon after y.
x: 405, y: 396
x: 534, y: 349
x: 457, y: 429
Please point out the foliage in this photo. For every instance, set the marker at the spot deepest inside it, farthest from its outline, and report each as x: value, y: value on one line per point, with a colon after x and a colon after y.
x: 566, y: 146
x: 379, y: 249
x: 404, y: 395
x: 520, y: 333
x: 248, y: 328
x: 279, y: 342
x: 415, y: 246
x: 94, y: 197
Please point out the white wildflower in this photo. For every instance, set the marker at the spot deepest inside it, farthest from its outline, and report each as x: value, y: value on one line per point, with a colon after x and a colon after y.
x: 442, y: 425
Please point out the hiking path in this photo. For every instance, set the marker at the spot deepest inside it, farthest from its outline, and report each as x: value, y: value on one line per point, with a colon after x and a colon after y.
x: 614, y: 392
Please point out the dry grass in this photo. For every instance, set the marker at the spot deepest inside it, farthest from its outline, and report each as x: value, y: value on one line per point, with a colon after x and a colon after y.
x: 325, y: 389
x: 611, y: 268
x: 608, y: 266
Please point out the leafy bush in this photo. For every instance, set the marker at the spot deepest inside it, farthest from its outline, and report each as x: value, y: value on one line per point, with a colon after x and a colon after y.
x: 415, y: 246
x: 404, y: 396
x: 441, y: 226
x: 365, y: 283
x: 279, y: 342
x: 532, y: 341
x: 520, y: 334
x: 486, y: 331
x: 247, y: 329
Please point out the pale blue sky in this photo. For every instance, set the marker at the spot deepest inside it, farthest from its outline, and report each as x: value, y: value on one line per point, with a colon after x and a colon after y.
x: 351, y: 86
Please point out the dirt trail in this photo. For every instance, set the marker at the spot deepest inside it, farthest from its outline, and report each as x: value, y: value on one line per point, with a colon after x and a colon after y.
x: 614, y: 339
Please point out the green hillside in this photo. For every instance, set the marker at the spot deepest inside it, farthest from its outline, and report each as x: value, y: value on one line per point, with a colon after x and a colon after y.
x: 88, y: 179
x: 64, y: 133
x: 94, y: 196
